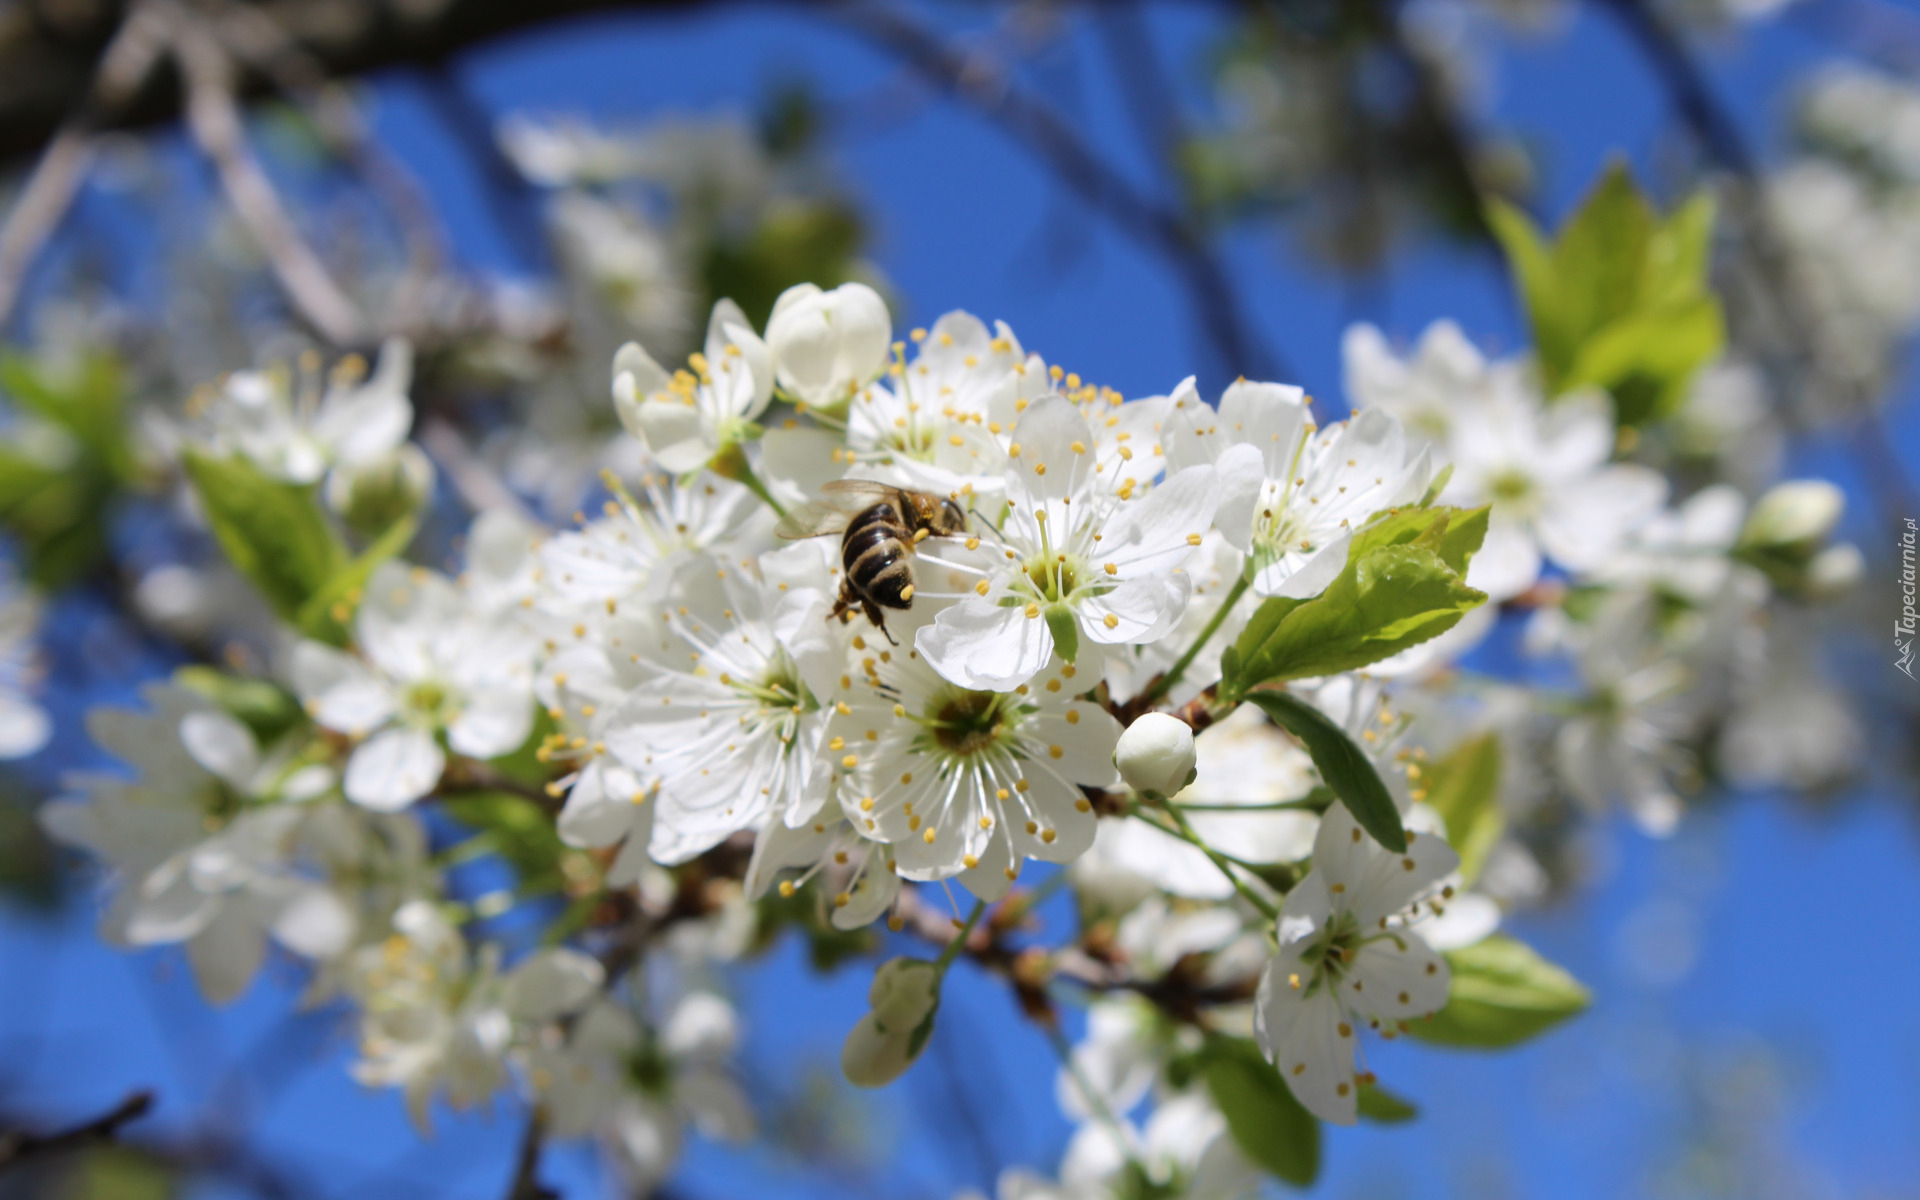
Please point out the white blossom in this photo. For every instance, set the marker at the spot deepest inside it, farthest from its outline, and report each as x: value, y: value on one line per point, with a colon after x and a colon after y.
x: 1077, y: 564
x: 1292, y: 496
x: 731, y: 721
x: 436, y: 1017
x: 299, y: 428
x: 433, y: 666
x: 1349, y: 957
x: 202, y: 843
x: 688, y: 416
x: 825, y: 345
x: 963, y: 782
x: 638, y: 1089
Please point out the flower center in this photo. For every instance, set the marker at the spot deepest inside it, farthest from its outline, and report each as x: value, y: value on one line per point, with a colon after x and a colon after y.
x: 1512, y: 487
x: 781, y: 697
x: 426, y: 702
x: 965, y: 724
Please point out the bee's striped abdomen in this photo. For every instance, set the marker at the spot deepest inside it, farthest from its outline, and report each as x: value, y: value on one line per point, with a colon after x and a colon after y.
x: 875, y: 556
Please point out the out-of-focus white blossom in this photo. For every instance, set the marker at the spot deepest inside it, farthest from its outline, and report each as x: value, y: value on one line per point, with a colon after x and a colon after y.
x: 438, y: 1018
x: 24, y: 726
x: 204, y: 842
x: 1292, y: 496
x: 433, y: 666
x: 298, y: 426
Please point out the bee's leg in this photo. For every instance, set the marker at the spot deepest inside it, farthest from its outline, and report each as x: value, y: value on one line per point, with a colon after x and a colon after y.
x: 842, y: 606
x: 879, y: 618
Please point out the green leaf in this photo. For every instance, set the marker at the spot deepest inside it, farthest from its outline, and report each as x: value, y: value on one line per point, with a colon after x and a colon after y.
x: 87, y: 401
x: 325, y: 614
x: 1647, y: 357
x: 1621, y: 299
x: 1341, y: 762
x: 1464, y: 788
x: 1455, y: 534
x: 1502, y: 994
x: 1268, y: 1124
x: 272, y: 532
x: 262, y: 706
x: 1536, y: 277
x: 1386, y: 599
x: 1378, y: 1104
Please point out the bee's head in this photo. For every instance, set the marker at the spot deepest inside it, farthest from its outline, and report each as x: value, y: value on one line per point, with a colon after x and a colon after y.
x: 949, y: 518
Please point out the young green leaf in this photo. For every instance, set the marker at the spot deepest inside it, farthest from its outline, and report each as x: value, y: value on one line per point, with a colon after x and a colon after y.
x: 272, y: 532
x: 1376, y: 1103
x: 1267, y: 1123
x: 1341, y: 762
x: 1385, y: 600
x: 1620, y: 299
x: 1455, y: 534
x: 263, y: 706
x: 1503, y: 993
x: 1464, y: 788
x: 325, y: 613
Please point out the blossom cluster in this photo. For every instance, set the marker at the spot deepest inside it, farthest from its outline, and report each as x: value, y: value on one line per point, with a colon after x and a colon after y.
x: 878, y: 613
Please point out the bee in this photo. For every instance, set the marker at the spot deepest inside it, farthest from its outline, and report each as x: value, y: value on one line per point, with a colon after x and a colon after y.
x: 880, y: 525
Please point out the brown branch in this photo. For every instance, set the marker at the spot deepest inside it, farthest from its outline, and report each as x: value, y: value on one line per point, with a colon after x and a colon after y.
x: 524, y: 1185
x: 214, y: 120
x: 15, y: 1147
x: 987, y: 87
x: 56, y: 178
x: 49, y: 50
x: 258, y: 40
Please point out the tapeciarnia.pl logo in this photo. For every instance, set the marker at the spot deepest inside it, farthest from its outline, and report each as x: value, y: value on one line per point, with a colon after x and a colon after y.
x: 1903, y: 628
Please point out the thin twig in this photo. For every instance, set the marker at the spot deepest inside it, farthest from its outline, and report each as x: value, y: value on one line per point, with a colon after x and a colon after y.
x: 476, y: 482
x: 15, y: 1147
x: 1033, y: 124
x: 213, y: 118
x: 524, y: 1185
x: 256, y: 36
x: 57, y: 177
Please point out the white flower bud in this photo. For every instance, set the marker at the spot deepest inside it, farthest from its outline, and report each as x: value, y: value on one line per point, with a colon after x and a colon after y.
x: 372, y: 495
x: 904, y: 995
x: 826, y: 344
x: 1797, y: 514
x: 1835, y: 570
x: 1155, y: 754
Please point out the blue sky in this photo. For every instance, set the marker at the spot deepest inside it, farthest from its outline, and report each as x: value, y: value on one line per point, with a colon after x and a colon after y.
x: 1754, y: 987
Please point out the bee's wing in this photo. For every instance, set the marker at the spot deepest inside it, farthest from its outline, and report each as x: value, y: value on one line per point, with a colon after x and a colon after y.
x: 812, y: 519
x: 858, y: 491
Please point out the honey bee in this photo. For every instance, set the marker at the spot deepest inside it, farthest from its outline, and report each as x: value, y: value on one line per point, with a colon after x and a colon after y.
x: 880, y: 525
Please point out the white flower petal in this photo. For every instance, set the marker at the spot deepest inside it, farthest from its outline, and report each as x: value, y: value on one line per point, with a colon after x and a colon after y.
x: 393, y: 769
x: 985, y: 646
x: 1300, y: 1027
x: 222, y: 745
x: 552, y: 983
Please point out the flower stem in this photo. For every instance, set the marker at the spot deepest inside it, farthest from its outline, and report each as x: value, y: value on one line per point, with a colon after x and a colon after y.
x: 959, y: 939
x: 731, y: 463
x: 1185, y: 832
x: 1165, y: 683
